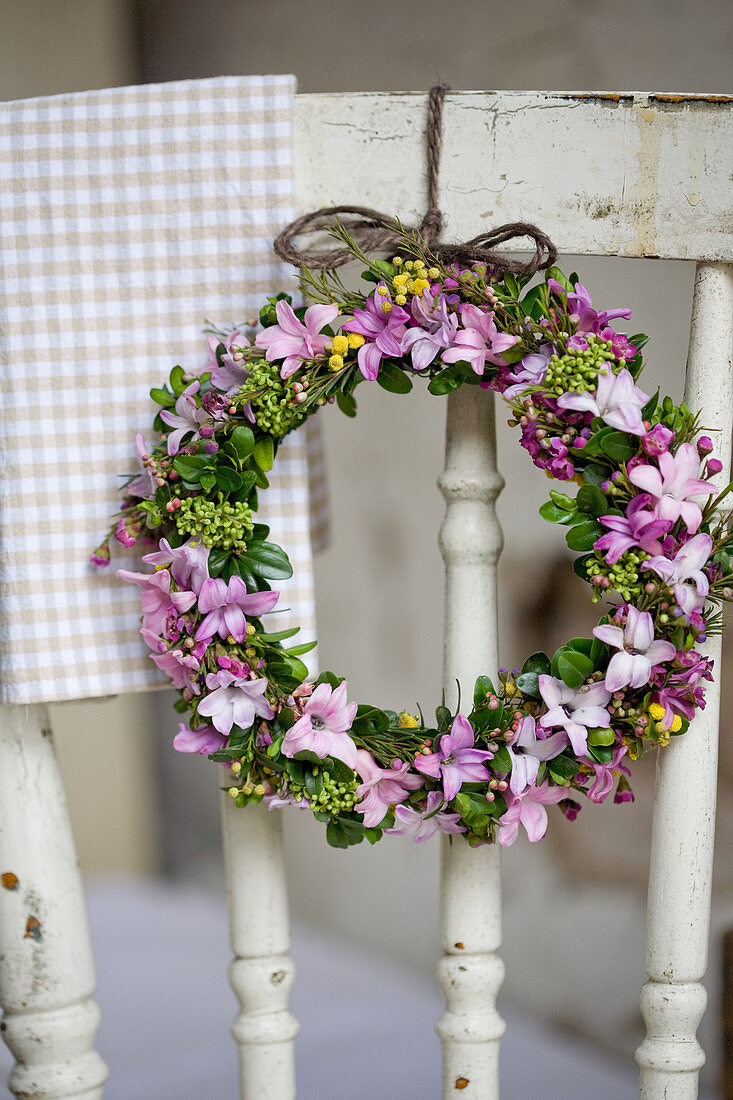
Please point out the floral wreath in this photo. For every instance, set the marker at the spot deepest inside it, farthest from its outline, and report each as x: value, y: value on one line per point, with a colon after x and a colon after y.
x: 645, y: 522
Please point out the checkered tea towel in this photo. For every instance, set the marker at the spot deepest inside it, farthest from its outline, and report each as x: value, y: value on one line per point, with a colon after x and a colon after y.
x: 128, y: 218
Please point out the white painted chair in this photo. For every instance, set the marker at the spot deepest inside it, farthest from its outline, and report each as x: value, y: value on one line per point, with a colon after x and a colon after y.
x: 641, y: 176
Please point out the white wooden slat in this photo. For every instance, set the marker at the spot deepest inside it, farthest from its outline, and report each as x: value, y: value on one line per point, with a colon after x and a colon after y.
x: 680, y: 881
x: 262, y: 974
x: 47, y: 975
x: 604, y: 174
x: 470, y: 971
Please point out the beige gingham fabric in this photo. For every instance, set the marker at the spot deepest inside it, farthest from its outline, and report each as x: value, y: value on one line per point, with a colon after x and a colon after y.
x: 127, y: 218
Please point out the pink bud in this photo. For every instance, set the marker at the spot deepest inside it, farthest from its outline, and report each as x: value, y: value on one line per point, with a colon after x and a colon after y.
x: 657, y: 441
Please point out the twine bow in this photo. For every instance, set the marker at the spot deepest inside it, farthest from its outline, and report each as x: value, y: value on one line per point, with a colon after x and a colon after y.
x: 375, y: 232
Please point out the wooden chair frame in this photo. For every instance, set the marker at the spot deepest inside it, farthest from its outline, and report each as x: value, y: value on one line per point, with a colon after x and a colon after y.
x: 603, y: 174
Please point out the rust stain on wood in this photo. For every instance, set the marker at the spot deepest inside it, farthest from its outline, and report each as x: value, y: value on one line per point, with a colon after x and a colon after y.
x: 9, y: 880
x: 598, y: 97
x: 662, y: 97
x: 33, y: 929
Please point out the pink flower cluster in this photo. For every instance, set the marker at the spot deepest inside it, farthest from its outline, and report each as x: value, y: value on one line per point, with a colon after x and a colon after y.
x: 184, y: 611
x: 433, y: 326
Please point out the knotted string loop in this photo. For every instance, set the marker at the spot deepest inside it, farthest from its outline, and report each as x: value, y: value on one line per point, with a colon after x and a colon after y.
x: 376, y: 232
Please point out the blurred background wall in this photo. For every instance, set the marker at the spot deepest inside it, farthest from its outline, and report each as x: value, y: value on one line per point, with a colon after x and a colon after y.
x: 141, y: 810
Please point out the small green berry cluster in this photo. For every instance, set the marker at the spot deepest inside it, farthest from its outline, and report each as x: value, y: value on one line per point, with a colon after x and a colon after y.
x: 577, y: 371
x: 271, y: 397
x: 622, y: 577
x: 333, y: 798
x: 216, y: 523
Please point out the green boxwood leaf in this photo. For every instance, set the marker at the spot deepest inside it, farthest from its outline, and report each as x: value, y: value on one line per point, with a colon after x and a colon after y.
x: 314, y: 783
x: 264, y: 453
x: 562, y: 500
x: 619, y: 446
x: 297, y: 668
x: 550, y: 511
x: 581, y: 645
x: 347, y: 404
x: 448, y: 380
x: 227, y: 479
x: 502, y: 761
x: 162, y: 397
x: 443, y: 718
x: 538, y: 662
x: 595, y: 474
x: 528, y: 684
x: 601, y: 753
x: 336, y: 836
x: 177, y: 380
x: 265, y: 559
x: 189, y: 471
x: 207, y: 480
x: 573, y: 668
x: 556, y: 274
x: 583, y: 535
x: 340, y: 771
x: 392, y: 378
x: 592, y: 500
x: 563, y: 767
x: 243, y: 441
x: 601, y: 736
x: 370, y: 719
x: 481, y: 689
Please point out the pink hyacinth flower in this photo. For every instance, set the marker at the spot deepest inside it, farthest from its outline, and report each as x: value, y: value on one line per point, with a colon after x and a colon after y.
x: 639, y: 653
x: 528, y: 809
x: 581, y: 313
x: 179, y: 665
x: 640, y: 528
x: 457, y: 762
x: 226, y: 605
x: 145, y: 485
x: 381, y: 788
x: 529, y: 371
x: 234, y: 700
x: 479, y: 341
x: 616, y: 400
x: 435, y: 328
x: 526, y: 751
x: 673, y: 483
x: 186, y: 420
x: 576, y: 711
x: 232, y: 373
x: 189, y: 563
x: 292, y: 340
x: 383, y: 331
x: 204, y: 740
x: 213, y: 341
x: 322, y: 728
x: 421, y: 824
x: 685, y: 572
x: 605, y: 775
x: 157, y: 598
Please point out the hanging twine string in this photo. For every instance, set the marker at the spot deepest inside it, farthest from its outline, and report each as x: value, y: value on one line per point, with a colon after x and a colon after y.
x: 375, y: 232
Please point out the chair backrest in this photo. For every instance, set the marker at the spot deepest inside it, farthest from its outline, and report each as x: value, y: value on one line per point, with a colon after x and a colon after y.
x: 645, y: 176
x: 629, y: 175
